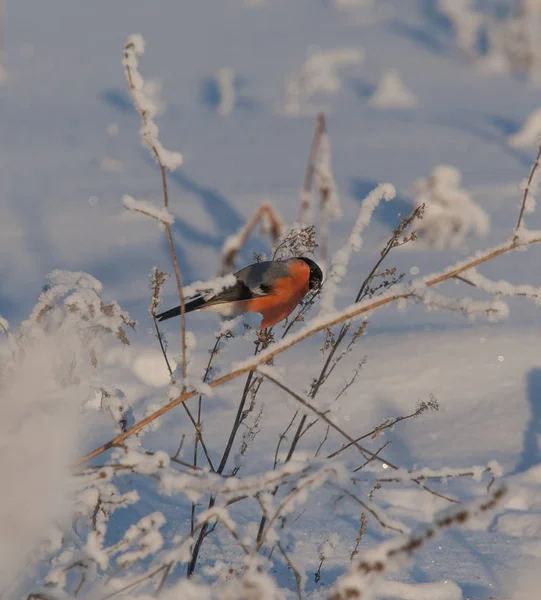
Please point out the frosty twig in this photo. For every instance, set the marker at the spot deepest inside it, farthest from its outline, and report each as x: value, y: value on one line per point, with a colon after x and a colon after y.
x: 166, y: 159
x: 320, y: 324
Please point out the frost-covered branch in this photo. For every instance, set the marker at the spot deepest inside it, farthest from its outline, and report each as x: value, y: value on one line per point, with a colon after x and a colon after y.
x: 321, y: 323
x: 501, y: 287
x: 528, y: 199
x: 144, y: 104
x: 146, y: 207
x: 341, y: 258
x: 365, y: 574
x: 268, y: 220
x: 166, y: 159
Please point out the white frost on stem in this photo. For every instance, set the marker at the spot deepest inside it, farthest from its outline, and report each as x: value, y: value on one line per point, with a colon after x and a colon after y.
x: 340, y: 260
x: 147, y: 208
x: 495, y: 310
x: 502, y: 287
x: 145, y: 105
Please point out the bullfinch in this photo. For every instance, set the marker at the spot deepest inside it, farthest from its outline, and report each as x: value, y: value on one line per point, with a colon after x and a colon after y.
x: 272, y: 288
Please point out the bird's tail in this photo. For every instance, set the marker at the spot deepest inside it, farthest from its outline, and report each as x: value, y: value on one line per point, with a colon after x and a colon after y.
x: 190, y: 305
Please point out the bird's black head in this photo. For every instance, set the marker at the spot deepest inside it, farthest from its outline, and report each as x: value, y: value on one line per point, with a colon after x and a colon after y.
x: 316, y: 275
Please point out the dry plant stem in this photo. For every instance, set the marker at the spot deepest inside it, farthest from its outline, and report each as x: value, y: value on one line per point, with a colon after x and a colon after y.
x: 364, y: 451
x: 145, y: 118
x: 228, y: 259
x: 377, y: 566
x: 179, y: 289
x: 323, y: 324
x: 197, y: 426
x: 135, y: 583
x: 376, y: 454
x: 377, y: 430
x: 296, y: 574
x: 371, y: 455
x: 362, y: 529
x: 368, y: 509
x: 236, y: 424
x: 534, y: 168
x: 162, y: 347
x: 198, y: 435
x: 319, y: 130
x: 282, y: 438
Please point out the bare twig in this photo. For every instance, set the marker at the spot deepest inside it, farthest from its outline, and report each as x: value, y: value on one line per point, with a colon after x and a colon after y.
x: 362, y: 529
x: 282, y: 438
x: 135, y: 583
x: 264, y: 215
x: 368, y: 509
x: 295, y: 571
x: 367, y: 453
x: 225, y: 456
x: 388, y: 424
x: 129, y: 54
x: 533, y: 170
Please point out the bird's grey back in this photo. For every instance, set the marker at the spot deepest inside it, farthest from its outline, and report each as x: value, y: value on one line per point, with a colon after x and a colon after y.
x: 263, y: 274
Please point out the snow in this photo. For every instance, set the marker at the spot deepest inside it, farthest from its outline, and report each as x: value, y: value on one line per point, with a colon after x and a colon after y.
x: 148, y: 209
x: 319, y: 74
x: 529, y: 135
x: 70, y: 153
x: 391, y: 92
x: 444, y: 590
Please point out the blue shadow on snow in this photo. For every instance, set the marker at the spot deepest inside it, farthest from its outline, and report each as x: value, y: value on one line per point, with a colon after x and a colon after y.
x: 117, y: 99
x: 360, y: 87
x: 531, y: 454
x: 209, y: 94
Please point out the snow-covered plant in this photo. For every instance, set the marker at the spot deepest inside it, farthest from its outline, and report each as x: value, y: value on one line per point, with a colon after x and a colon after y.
x: 270, y: 223
x: 529, y: 135
x: 512, y: 41
x: 144, y: 519
x: 49, y: 377
x: 465, y: 21
x: 450, y: 211
x: 319, y: 74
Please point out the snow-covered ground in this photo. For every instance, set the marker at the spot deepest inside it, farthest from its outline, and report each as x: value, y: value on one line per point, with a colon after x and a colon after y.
x: 240, y: 83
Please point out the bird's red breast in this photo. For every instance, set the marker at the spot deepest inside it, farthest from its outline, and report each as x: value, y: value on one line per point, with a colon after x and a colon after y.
x: 285, y: 295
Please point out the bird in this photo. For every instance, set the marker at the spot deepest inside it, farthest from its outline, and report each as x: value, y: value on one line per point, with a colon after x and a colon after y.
x: 272, y: 288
